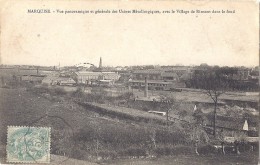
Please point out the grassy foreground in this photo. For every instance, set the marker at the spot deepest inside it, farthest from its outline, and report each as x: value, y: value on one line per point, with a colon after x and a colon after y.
x: 86, y: 135
x: 246, y: 159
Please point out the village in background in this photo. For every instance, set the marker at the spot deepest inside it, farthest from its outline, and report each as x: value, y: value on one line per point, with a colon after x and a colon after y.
x: 137, y: 111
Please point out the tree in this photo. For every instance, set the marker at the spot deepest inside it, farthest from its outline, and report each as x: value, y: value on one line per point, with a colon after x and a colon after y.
x: 182, y: 114
x: 239, y: 138
x: 197, y: 133
x: 198, y: 117
x: 152, y: 136
x: 221, y: 137
x: 2, y: 81
x: 167, y: 105
x: 214, y: 85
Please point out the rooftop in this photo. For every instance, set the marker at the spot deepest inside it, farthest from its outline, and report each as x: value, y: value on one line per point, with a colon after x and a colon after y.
x: 93, y: 73
x: 169, y: 74
x: 148, y: 71
x: 151, y: 81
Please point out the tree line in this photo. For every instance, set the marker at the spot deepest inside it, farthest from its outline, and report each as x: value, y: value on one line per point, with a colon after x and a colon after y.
x: 230, y: 78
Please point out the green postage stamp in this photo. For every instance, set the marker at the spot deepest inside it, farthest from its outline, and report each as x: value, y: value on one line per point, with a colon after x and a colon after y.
x: 28, y: 144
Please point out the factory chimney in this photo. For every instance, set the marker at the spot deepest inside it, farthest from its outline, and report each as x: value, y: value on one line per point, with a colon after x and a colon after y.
x: 100, y: 63
x: 145, y: 87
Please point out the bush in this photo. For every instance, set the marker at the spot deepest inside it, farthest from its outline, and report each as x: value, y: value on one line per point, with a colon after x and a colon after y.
x: 245, y: 147
x: 39, y: 89
x: 175, y: 150
x: 126, y: 96
x: 79, y: 154
x: 78, y: 93
x: 207, y: 149
x: 108, y: 154
x: 6, y: 86
x: 133, y: 152
x: 59, y: 91
x: 182, y: 150
x: 177, y: 137
x: 163, y: 151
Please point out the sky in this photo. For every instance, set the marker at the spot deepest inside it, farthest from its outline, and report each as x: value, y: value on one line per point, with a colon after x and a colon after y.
x: 129, y: 39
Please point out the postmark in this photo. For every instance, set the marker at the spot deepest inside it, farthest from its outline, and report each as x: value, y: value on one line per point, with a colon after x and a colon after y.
x: 28, y: 144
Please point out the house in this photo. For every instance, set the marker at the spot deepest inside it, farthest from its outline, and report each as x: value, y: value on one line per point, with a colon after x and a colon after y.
x: 179, y: 70
x: 231, y: 124
x: 151, y: 74
x: 66, y: 81
x: 106, y: 82
x: 51, y: 79
x: 170, y: 76
x: 32, y: 78
x: 167, y: 74
x: 156, y: 85
x: 86, y: 77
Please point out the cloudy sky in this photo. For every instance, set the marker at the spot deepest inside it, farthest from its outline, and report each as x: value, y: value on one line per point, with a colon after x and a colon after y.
x: 130, y: 39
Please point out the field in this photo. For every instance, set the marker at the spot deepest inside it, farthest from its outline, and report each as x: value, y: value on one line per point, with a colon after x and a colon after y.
x: 81, y: 133
x: 193, y: 95
x: 75, y: 130
x: 187, y: 160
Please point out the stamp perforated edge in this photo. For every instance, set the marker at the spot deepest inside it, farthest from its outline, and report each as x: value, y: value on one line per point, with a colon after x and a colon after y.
x: 48, y: 156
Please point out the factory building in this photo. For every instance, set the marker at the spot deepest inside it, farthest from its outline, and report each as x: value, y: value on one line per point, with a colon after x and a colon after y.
x: 84, y: 77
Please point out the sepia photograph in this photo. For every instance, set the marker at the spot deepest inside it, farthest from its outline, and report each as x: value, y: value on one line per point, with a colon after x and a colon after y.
x: 125, y: 82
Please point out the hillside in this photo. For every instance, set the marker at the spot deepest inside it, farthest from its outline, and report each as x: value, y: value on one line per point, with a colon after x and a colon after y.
x: 84, y: 133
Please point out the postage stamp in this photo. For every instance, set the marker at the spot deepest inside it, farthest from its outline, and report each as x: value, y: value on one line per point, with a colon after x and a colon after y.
x: 28, y: 144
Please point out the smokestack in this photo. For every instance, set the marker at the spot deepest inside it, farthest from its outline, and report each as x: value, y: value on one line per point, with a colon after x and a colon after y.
x: 145, y: 87
x: 100, y: 63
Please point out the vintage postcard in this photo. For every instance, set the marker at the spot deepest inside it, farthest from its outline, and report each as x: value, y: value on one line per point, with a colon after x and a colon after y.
x: 150, y: 82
